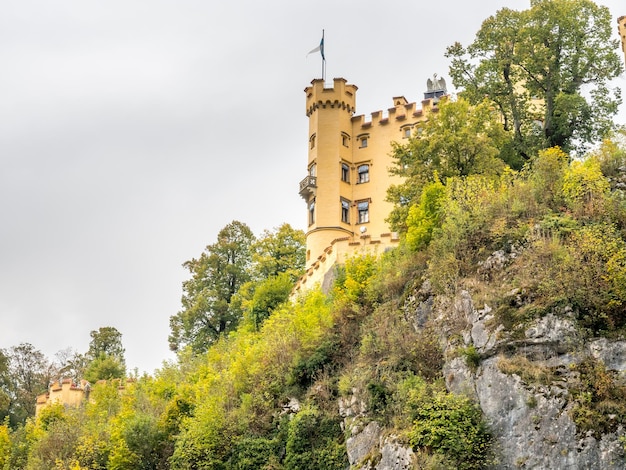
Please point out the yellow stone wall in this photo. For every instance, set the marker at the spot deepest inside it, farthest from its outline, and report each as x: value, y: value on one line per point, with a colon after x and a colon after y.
x: 64, y: 392
x: 336, y: 138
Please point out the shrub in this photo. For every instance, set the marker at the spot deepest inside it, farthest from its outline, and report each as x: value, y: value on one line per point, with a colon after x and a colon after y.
x: 446, y: 424
x: 312, y: 442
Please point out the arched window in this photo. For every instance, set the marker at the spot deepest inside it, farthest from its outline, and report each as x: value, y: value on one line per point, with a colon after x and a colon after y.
x: 364, y: 211
x: 345, y: 172
x: 345, y: 211
x: 364, y: 174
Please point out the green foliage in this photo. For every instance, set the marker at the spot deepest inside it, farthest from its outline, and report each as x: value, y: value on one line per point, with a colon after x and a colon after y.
x: 312, y: 442
x: 5, y: 445
x: 545, y: 174
x: 588, y: 270
x: 104, y: 367
x: 216, y: 276
x: 54, y: 448
x: 599, y: 399
x: 472, y: 357
x: 446, y: 424
x: 351, y: 286
x: 551, y: 63
x: 425, y: 217
x: 585, y: 189
x: 254, y: 453
x: 106, y: 341
x: 268, y: 295
x: 242, y: 378
x: 469, y: 209
x: 306, y: 369
x: 612, y: 156
x: 28, y: 375
x: 280, y: 251
x: 458, y: 140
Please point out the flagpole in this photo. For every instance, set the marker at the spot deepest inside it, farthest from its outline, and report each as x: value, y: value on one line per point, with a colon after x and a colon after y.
x: 323, y: 59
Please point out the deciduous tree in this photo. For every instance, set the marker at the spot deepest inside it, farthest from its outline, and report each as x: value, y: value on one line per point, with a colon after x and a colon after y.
x: 279, y: 251
x: 546, y: 70
x: 458, y: 140
x: 29, y: 372
x: 215, y: 277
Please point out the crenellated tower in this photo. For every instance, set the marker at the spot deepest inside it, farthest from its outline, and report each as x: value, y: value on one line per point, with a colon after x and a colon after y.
x: 330, y: 113
x: 349, y: 157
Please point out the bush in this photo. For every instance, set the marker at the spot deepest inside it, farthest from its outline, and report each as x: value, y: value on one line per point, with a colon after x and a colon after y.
x: 312, y: 442
x: 446, y: 424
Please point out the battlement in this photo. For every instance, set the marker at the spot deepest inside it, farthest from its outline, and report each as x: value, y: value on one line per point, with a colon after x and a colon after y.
x: 341, y: 96
x: 340, y: 249
x: 402, y: 111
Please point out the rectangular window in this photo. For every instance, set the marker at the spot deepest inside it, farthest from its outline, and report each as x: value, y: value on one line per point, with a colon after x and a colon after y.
x: 364, y: 211
x: 313, y: 170
x: 345, y: 173
x: 364, y: 142
x: 312, y: 212
x: 345, y: 139
x: 345, y: 211
x: 364, y: 174
x: 407, y: 132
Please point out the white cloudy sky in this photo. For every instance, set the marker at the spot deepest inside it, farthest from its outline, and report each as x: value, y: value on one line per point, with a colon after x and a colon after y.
x: 131, y: 132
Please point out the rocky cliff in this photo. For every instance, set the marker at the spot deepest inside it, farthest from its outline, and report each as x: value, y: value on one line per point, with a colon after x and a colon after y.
x: 549, y: 392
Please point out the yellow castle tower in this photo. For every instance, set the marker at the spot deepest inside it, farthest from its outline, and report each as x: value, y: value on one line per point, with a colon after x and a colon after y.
x: 348, y: 176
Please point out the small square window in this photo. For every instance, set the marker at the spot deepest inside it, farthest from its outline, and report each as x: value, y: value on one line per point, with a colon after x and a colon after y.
x: 364, y: 142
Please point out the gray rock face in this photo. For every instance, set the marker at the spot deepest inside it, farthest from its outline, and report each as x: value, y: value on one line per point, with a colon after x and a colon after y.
x: 361, y: 444
x: 368, y: 450
x: 395, y: 457
x: 532, y: 424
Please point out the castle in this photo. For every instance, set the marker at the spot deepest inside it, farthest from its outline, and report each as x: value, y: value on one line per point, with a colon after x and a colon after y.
x: 64, y: 391
x: 349, y: 158
x: 70, y: 393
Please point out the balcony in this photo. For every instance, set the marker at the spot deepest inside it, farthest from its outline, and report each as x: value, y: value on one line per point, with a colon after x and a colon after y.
x: 308, y: 186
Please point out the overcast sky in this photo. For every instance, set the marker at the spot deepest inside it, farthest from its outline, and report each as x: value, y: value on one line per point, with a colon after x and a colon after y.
x: 131, y: 132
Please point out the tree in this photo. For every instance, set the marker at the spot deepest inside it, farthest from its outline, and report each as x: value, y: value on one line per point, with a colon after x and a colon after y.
x: 71, y: 364
x: 458, y: 140
x: 108, y: 341
x: 105, y: 355
x: 105, y: 367
x: 5, y: 386
x: 546, y: 70
x: 30, y: 373
x: 280, y: 251
x: 215, y: 277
